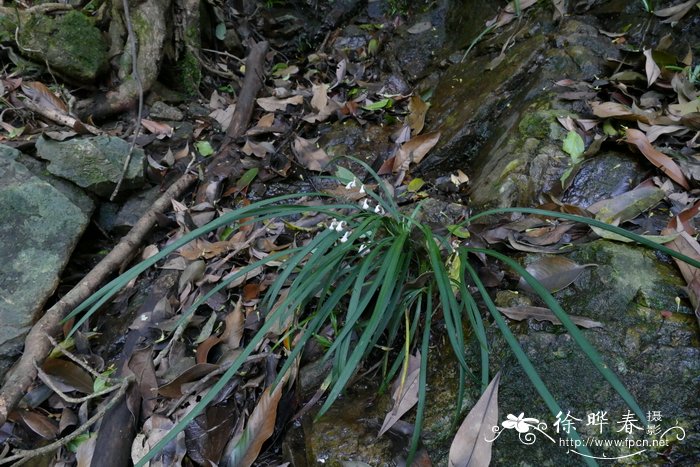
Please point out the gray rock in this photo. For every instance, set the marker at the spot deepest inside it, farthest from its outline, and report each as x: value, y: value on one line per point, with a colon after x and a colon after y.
x: 162, y: 111
x: 121, y: 219
x: 38, y: 168
x: 604, y: 176
x: 39, y: 227
x: 94, y: 164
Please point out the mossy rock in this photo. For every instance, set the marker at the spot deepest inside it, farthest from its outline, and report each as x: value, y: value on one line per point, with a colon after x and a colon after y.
x: 70, y: 44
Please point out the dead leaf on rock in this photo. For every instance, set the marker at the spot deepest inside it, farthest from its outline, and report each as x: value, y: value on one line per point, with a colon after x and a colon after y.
x: 660, y: 160
x: 162, y: 130
x: 519, y: 313
x: 414, y: 150
x: 553, y: 273
x: 420, y: 27
x: 417, y: 109
x: 471, y: 446
x: 405, y: 393
x: 309, y: 155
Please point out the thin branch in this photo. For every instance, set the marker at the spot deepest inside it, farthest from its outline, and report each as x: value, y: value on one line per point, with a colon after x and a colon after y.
x: 74, y: 357
x: 46, y: 379
x: 23, y: 456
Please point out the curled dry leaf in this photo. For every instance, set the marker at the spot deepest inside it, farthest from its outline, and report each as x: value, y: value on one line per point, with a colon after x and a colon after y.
x: 414, y: 150
x: 309, y: 155
x: 470, y: 447
x: 519, y: 313
x: 660, y: 160
x: 554, y: 272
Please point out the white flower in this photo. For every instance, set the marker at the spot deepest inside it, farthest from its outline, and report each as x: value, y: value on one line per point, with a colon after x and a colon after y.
x: 334, y: 224
x: 362, y: 189
x: 365, y: 204
x: 340, y: 227
x: 363, y: 250
x: 379, y: 209
x: 352, y: 184
x: 345, y: 237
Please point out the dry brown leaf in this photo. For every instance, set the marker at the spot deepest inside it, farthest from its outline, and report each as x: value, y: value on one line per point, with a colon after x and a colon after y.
x: 67, y: 375
x: 272, y: 104
x: 414, y: 150
x: 242, y: 450
x: 157, y: 128
x: 688, y: 246
x: 519, y: 313
x: 42, y: 96
x: 660, y: 160
x: 405, y: 394
x: 651, y: 68
x: 39, y: 423
x: 553, y: 273
x: 470, y: 446
x: 322, y: 104
x: 417, y: 109
x: 309, y: 155
x: 173, y: 389
x: 224, y: 116
x: 675, y: 13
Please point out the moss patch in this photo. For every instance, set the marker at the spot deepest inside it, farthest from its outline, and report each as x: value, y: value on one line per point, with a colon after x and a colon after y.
x: 70, y: 44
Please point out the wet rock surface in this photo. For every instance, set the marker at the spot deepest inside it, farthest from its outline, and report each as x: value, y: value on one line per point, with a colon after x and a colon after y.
x: 39, y: 227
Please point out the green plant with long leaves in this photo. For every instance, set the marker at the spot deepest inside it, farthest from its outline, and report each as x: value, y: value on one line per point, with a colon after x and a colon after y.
x: 387, y: 275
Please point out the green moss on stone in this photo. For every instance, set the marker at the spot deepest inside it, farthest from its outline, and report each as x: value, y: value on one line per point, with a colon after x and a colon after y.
x: 70, y: 44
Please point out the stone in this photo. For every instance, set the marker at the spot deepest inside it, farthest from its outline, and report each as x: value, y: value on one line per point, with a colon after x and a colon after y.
x: 94, y: 163
x: 116, y: 219
x: 39, y: 228
x: 70, y: 44
x: 162, y: 111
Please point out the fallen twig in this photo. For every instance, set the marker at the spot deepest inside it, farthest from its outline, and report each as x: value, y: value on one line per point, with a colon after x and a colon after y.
x: 220, y: 168
x: 37, y: 346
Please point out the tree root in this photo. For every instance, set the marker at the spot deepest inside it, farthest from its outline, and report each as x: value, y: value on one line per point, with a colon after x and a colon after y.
x: 150, y: 26
x: 37, y: 347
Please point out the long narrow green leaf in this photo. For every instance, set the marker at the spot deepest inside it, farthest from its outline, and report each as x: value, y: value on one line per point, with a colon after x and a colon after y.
x: 422, y: 381
x: 577, y: 335
x: 525, y: 362
x: 447, y: 298
x: 386, y: 290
